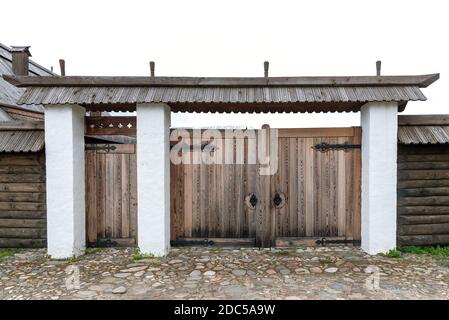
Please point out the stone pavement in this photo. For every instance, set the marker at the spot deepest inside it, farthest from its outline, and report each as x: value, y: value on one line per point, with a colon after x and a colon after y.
x: 217, y: 273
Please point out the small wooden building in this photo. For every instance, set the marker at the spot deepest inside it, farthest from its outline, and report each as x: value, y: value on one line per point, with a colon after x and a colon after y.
x: 423, y: 180
x: 22, y: 158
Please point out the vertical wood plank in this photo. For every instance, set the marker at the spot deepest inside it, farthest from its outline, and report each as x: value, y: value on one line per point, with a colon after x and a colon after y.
x: 125, y: 195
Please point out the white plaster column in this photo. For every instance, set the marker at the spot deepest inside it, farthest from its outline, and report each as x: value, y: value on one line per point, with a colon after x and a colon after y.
x: 379, y: 176
x: 64, y: 153
x: 153, y: 178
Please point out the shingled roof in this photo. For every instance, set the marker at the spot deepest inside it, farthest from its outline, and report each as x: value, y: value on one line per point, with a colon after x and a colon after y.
x: 189, y: 94
x: 9, y: 94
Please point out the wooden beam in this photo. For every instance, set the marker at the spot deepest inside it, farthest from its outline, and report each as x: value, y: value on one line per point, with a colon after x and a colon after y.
x: 423, y: 120
x: 358, y: 81
x: 22, y: 125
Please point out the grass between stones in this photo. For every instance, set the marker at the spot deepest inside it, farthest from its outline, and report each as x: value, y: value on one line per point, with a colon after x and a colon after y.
x: 4, y: 253
x: 438, y: 251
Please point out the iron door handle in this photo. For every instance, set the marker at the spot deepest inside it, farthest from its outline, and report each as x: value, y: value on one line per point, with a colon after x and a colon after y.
x: 253, y: 200
x: 277, y: 199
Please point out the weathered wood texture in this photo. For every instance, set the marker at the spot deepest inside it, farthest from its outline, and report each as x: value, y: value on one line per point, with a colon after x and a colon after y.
x: 423, y: 195
x: 22, y: 200
x: 321, y: 192
x: 111, y: 196
x: 104, y: 125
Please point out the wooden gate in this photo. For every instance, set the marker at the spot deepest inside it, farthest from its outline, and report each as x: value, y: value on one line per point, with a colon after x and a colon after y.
x: 314, y: 194
x: 111, y: 194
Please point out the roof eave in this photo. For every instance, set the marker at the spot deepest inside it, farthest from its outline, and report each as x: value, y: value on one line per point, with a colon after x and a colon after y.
x: 421, y: 81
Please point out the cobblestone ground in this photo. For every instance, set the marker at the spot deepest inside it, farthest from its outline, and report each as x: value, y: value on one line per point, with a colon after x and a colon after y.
x: 215, y: 273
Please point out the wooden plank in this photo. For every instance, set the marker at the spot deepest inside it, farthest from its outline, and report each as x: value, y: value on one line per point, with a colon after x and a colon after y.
x: 422, y: 174
x: 422, y: 192
x: 424, y: 201
x: 423, y: 120
x: 423, y: 157
x: 423, y: 210
x: 133, y: 195
x: 36, y: 169
x: 423, y: 219
x: 109, y: 197
x: 22, y: 206
x: 310, y: 183
x: 21, y: 125
x: 422, y: 165
x: 22, y: 243
x: 117, y: 197
x: 23, y: 223
x: 91, y: 191
x: 423, y: 240
x: 22, y: 214
x: 22, y: 187
x: 407, y: 184
x: 20, y: 159
x: 188, y: 201
x: 314, y: 132
x: 27, y: 233
x: 19, y: 177
x: 22, y: 196
x: 100, y: 184
x: 357, y: 183
x: 125, y: 190
x: 30, y: 81
x: 423, y: 229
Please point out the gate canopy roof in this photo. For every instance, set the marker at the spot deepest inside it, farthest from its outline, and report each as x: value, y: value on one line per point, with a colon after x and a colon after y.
x: 187, y: 94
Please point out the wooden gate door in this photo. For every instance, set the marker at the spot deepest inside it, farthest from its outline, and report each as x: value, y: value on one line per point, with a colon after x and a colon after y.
x: 313, y: 195
x: 111, y: 194
x: 316, y: 191
x: 210, y: 201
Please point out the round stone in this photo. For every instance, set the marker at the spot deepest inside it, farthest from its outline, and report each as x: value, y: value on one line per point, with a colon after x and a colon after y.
x: 238, y: 272
x: 315, y: 270
x: 195, y: 273
x: 209, y: 273
x: 119, y: 290
x: 331, y: 270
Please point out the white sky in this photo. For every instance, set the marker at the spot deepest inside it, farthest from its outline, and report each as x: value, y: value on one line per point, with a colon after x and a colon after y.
x: 233, y: 38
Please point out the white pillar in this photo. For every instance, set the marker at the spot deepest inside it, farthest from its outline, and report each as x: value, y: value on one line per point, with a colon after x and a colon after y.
x: 64, y: 153
x: 379, y: 175
x: 153, y: 178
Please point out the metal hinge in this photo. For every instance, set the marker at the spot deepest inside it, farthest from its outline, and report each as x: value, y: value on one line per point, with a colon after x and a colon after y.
x: 107, y: 148
x: 325, y: 241
x: 185, y: 242
x: 324, y: 147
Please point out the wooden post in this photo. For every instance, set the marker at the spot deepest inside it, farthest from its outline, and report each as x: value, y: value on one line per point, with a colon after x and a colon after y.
x: 152, y: 68
x: 378, y: 67
x: 266, y: 65
x: 62, y: 66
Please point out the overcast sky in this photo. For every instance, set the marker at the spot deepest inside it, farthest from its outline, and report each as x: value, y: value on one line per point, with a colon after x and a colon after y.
x: 233, y: 38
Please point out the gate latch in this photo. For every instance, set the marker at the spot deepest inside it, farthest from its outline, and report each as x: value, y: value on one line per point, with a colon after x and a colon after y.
x: 324, y: 147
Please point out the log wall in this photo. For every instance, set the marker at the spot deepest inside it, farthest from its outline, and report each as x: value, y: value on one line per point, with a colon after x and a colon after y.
x: 423, y: 194
x: 22, y: 200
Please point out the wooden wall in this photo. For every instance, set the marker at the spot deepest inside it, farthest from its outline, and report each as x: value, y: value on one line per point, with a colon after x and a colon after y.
x: 423, y: 194
x: 22, y: 200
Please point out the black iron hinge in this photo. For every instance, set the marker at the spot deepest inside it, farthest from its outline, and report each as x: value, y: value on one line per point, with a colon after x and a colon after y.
x: 324, y: 147
x: 107, y: 148
x: 195, y: 242
x: 325, y: 241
